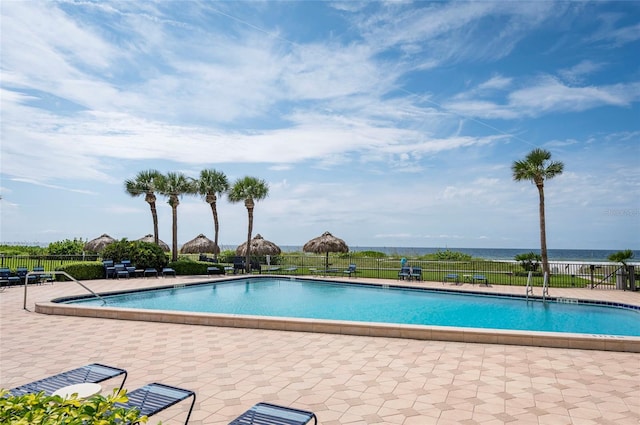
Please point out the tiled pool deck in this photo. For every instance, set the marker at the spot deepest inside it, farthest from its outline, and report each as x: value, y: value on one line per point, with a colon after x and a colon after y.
x: 344, y: 379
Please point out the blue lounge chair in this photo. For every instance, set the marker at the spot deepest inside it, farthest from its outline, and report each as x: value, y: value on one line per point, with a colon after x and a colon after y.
x: 7, y: 277
x: 150, y: 271
x: 415, y: 273
x: 22, y: 275
x: 272, y: 414
x: 92, y: 373
x: 41, y: 275
x: 168, y: 271
x: 292, y: 269
x: 121, y: 271
x: 480, y: 278
x: 238, y: 265
x: 451, y: 276
x: 109, y: 269
x: 404, y: 273
x: 213, y: 270
x: 155, y: 397
x: 351, y: 270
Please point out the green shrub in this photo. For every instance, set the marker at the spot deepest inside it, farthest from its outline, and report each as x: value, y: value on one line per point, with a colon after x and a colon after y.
x: 10, y: 250
x: 82, y: 270
x: 529, y: 261
x: 226, y: 256
x: 41, y: 409
x: 368, y: 254
x: 185, y: 267
x: 447, y: 255
x: 66, y: 247
x: 141, y: 254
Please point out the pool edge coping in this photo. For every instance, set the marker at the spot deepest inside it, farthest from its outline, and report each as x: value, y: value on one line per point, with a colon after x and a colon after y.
x: 419, y: 332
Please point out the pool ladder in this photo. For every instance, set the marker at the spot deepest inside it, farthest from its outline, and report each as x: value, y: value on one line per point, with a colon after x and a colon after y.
x: 545, y: 286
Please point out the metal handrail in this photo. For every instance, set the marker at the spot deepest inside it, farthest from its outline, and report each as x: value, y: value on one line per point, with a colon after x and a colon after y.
x: 545, y: 286
x: 26, y: 281
x: 529, y: 287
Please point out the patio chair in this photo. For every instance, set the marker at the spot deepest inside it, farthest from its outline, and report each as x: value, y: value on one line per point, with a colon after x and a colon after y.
x: 415, y: 273
x: 238, y: 264
x: 168, y: 271
x: 272, y: 414
x: 120, y: 270
x: 150, y: 271
x: 7, y: 277
x: 41, y: 275
x: 214, y: 270
x: 109, y: 269
x: 351, y: 270
x: 91, y: 373
x: 22, y: 275
x: 451, y: 276
x: 404, y: 273
x: 255, y: 265
x: 156, y: 397
x: 480, y: 278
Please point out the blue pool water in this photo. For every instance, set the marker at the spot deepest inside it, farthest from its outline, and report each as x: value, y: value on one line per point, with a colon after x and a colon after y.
x: 368, y: 303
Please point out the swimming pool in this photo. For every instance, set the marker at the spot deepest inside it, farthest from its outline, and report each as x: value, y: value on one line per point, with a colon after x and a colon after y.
x: 367, y: 309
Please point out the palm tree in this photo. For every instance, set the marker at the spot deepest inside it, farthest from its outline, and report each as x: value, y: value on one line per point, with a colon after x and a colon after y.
x: 173, y: 186
x: 210, y: 184
x: 146, y: 182
x: 536, y: 167
x: 248, y: 189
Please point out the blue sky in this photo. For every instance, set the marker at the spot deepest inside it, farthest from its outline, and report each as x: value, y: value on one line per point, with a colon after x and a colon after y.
x: 385, y: 123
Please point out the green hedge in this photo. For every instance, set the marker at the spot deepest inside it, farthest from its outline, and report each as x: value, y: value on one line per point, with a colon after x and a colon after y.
x: 82, y: 270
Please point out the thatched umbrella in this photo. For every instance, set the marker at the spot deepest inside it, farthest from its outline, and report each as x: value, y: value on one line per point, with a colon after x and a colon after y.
x: 325, y: 244
x: 259, y: 246
x: 149, y: 238
x: 200, y: 245
x: 98, y: 244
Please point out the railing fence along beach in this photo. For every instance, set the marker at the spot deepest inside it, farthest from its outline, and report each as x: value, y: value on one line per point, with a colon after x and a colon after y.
x: 593, y: 275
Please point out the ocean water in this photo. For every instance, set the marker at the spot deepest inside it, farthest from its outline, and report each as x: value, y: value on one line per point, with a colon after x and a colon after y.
x: 599, y: 255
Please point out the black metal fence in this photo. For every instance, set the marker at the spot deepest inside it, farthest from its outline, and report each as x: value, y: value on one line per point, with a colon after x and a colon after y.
x: 563, y: 274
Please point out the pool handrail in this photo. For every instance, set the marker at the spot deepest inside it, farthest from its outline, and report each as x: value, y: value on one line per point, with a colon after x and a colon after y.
x: 26, y: 280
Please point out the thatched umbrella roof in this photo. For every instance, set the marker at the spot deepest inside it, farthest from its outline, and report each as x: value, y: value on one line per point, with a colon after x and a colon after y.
x: 149, y: 238
x: 98, y: 244
x: 200, y: 245
x: 259, y: 246
x: 325, y: 243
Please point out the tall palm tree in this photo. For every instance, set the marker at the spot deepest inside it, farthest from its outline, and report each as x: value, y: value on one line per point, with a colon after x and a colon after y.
x: 538, y: 167
x: 173, y: 186
x: 210, y: 184
x: 146, y: 182
x: 249, y: 190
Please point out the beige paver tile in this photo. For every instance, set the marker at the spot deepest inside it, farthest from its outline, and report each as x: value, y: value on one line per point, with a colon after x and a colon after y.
x: 344, y: 379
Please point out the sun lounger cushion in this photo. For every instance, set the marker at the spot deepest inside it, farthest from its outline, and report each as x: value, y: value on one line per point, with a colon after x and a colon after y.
x: 272, y: 414
x: 92, y: 373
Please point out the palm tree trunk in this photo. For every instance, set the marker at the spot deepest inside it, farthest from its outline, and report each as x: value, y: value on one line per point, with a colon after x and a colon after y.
x: 174, y: 228
x: 154, y: 215
x: 216, y: 225
x: 151, y: 200
x: 543, y: 233
x: 247, y: 262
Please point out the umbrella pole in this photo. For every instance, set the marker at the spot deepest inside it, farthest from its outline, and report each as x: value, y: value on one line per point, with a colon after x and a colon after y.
x: 326, y: 262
